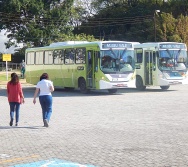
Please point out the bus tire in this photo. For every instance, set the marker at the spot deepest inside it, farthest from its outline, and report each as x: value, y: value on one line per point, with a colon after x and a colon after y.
x: 111, y: 91
x: 139, y: 83
x: 82, y: 85
x: 164, y: 87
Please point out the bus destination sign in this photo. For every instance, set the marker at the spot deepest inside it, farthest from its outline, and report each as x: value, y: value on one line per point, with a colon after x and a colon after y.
x: 116, y: 45
x: 172, y: 46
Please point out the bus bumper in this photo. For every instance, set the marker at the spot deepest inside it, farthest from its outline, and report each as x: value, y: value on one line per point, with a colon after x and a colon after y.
x: 185, y: 81
x: 164, y: 82
x: 112, y: 85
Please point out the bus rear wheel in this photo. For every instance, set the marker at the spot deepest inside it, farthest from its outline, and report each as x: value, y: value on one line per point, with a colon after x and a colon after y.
x: 82, y: 85
x: 164, y: 87
x: 139, y: 83
x: 111, y: 91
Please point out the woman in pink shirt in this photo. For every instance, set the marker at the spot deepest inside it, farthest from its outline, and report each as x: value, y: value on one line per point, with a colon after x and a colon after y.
x: 15, y: 97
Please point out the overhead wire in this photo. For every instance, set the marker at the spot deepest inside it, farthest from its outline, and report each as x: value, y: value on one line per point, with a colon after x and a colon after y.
x: 89, y: 23
x: 95, y: 22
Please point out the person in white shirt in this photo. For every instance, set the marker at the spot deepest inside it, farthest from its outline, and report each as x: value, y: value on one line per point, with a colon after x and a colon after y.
x: 44, y: 88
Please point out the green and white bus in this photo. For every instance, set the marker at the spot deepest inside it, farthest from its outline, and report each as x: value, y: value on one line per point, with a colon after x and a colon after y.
x: 85, y: 65
x: 160, y: 64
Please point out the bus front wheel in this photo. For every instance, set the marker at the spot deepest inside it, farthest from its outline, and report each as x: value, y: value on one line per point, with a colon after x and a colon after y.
x: 139, y: 83
x: 164, y: 87
x: 82, y: 85
x: 111, y: 91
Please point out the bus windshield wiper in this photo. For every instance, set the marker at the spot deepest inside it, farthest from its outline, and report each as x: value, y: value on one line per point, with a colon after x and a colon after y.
x: 169, y: 53
x: 124, y: 51
x: 179, y: 51
x: 115, y: 56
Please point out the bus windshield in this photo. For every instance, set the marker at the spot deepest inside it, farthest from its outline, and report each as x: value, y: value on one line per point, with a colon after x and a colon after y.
x: 172, y: 59
x: 116, y: 61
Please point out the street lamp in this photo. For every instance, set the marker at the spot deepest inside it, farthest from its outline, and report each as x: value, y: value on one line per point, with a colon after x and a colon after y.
x: 155, y: 13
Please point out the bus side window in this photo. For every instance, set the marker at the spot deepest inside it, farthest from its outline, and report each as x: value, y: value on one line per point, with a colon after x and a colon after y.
x: 66, y: 57
x: 30, y: 59
x: 89, y: 58
x: 154, y: 61
x: 138, y: 55
x: 80, y: 55
x: 97, y: 56
x: 39, y: 57
x: 58, y: 56
x: 48, y: 57
x: 69, y: 56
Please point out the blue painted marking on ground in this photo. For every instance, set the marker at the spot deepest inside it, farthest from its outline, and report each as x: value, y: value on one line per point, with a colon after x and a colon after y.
x: 53, y: 163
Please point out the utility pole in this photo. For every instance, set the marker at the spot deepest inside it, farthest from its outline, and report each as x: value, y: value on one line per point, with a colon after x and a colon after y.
x: 154, y: 17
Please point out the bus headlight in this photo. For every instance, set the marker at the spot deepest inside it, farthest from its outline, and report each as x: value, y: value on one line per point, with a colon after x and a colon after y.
x: 183, y: 74
x: 162, y: 76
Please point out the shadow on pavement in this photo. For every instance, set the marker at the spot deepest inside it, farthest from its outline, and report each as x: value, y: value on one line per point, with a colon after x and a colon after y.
x: 22, y: 127
x: 60, y: 92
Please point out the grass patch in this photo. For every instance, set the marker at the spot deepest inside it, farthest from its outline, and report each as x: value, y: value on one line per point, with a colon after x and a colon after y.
x: 3, y: 75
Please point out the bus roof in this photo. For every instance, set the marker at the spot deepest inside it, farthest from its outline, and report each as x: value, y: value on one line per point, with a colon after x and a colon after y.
x: 157, y: 44
x: 58, y: 45
x: 67, y: 43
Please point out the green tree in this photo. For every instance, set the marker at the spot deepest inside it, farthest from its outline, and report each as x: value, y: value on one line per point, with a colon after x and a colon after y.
x: 181, y: 29
x: 133, y: 20
x: 168, y: 23
x: 35, y: 22
x: 173, y: 29
x: 118, y: 20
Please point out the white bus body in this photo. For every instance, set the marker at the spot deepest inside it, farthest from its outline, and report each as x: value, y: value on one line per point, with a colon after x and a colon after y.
x: 160, y: 64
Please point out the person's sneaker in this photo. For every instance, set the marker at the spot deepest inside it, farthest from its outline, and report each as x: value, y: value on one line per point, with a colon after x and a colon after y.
x: 11, y: 122
x: 46, y: 123
x: 16, y: 124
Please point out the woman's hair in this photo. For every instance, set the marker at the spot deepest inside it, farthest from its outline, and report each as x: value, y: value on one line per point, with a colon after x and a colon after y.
x: 14, y: 78
x: 44, y: 76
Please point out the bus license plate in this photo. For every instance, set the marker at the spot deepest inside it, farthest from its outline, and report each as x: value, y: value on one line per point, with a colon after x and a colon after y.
x: 121, y: 85
x: 175, y: 82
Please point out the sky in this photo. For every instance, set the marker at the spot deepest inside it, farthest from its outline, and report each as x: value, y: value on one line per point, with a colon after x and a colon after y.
x: 4, y: 39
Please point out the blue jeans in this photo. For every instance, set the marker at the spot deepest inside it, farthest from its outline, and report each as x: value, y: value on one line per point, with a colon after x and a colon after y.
x: 14, y: 106
x: 46, y: 105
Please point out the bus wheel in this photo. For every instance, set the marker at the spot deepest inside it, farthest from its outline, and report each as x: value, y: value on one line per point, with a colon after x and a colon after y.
x: 164, y: 87
x: 111, y: 91
x: 82, y: 85
x: 139, y: 83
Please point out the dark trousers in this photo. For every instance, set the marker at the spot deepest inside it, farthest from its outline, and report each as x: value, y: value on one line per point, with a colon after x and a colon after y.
x: 14, y: 106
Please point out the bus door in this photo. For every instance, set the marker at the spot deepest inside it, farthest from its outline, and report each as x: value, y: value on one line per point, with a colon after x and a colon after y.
x: 148, y: 67
x: 90, y: 60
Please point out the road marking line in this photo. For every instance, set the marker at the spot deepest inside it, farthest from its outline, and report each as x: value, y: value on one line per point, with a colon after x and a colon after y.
x: 18, y: 159
x: 3, y: 156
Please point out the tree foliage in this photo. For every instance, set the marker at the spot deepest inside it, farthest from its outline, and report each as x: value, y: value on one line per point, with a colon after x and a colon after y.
x: 37, y: 22
x: 133, y: 20
x: 41, y: 22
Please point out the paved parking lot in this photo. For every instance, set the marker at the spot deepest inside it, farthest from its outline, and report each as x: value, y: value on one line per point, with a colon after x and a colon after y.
x: 128, y: 129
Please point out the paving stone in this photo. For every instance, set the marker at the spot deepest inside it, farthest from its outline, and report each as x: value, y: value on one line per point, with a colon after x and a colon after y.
x: 128, y: 129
